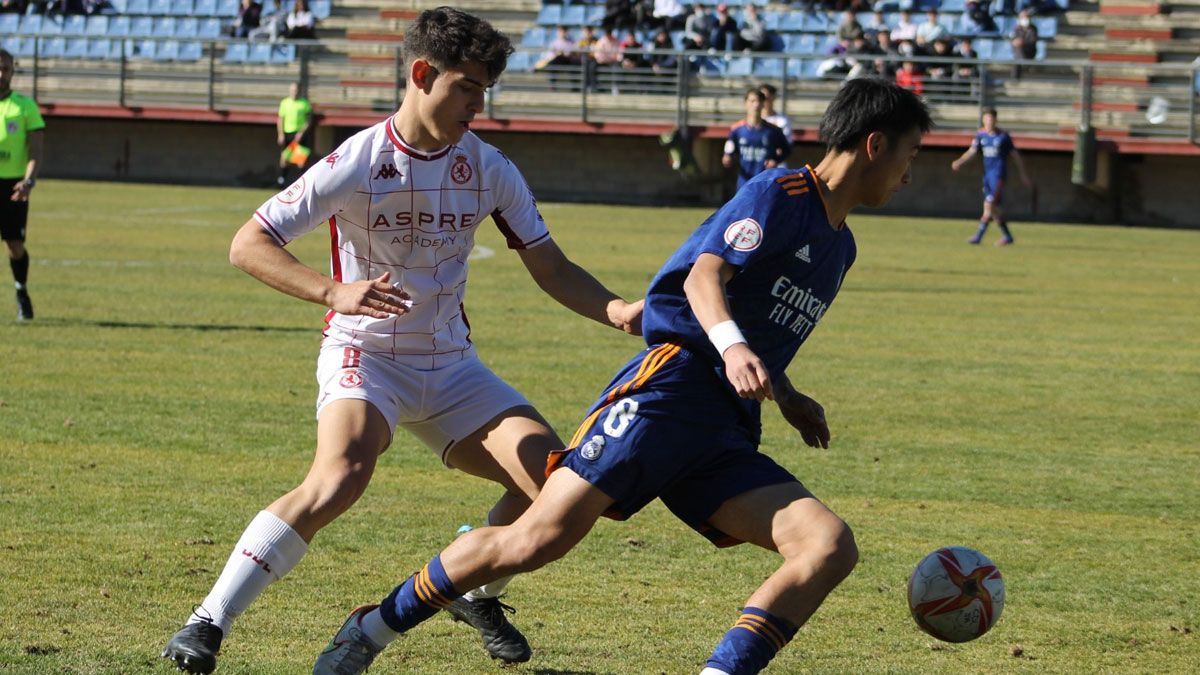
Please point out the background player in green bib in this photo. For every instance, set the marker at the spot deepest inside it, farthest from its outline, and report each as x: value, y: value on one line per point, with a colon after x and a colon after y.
x: 20, y: 156
x: 293, y: 124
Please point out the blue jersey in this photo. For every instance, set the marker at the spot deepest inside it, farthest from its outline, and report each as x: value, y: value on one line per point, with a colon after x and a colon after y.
x: 791, y: 262
x: 754, y: 146
x: 996, y: 149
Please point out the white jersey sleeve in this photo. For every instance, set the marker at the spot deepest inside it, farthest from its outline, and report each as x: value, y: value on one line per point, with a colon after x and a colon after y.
x: 516, y: 213
x: 319, y: 194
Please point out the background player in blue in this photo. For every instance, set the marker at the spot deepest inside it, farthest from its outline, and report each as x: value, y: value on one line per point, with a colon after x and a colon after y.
x: 754, y: 144
x: 996, y: 146
x: 722, y: 320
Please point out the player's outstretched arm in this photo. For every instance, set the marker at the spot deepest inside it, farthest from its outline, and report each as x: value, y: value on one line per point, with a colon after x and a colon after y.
x: 577, y: 290
x: 966, y: 157
x: 254, y: 252
x: 803, y: 413
x: 705, y: 290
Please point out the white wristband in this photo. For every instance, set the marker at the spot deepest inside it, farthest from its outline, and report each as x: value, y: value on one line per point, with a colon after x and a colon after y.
x: 725, y: 335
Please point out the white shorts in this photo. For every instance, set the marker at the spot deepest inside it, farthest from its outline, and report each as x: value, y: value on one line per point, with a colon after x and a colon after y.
x: 440, y: 407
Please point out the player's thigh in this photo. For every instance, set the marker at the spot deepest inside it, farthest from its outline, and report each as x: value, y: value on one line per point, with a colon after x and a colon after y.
x: 351, y: 434
x: 510, y: 449
x: 562, y: 515
x: 783, y: 517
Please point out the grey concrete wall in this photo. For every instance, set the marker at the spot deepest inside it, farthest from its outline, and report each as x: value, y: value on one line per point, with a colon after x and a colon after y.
x: 1145, y: 190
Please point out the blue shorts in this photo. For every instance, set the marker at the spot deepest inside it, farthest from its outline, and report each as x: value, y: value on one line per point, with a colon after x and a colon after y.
x: 668, y: 427
x: 993, y: 190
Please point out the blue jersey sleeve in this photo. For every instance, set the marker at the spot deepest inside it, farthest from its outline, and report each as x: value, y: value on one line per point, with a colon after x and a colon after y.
x: 1006, y: 145
x: 745, y: 227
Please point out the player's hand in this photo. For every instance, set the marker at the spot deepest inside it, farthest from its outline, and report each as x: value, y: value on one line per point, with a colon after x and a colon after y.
x: 747, y: 373
x: 807, y: 416
x: 727, y: 161
x: 955, y: 165
x: 626, y: 316
x: 20, y: 192
x: 279, y: 138
x: 770, y: 164
x: 376, y: 298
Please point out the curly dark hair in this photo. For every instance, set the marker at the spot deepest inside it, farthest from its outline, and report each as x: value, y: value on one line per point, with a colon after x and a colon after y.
x: 449, y: 37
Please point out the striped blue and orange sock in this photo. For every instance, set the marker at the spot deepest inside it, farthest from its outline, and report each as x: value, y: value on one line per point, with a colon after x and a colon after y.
x: 421, y: 596
x: 752, y: 642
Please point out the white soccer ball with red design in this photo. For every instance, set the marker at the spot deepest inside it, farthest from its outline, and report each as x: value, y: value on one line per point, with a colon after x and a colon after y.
x: 956, y: 594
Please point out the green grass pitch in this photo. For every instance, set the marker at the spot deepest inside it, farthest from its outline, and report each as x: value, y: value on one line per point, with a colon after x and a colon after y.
x: 1039, y: 403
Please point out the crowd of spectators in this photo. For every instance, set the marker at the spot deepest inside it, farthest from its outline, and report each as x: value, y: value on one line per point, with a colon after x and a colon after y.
x: 715, y: 29
x: 54, y: 7
x: 295, y: 24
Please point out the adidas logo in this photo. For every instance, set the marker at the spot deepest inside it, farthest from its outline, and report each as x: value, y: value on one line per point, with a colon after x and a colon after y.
x: 802, y: 254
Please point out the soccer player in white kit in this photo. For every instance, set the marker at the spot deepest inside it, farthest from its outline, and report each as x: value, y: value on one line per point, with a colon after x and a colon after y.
x: 403, y: 200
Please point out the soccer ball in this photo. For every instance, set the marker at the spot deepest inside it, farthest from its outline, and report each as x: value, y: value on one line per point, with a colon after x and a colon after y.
x: 955, y: 594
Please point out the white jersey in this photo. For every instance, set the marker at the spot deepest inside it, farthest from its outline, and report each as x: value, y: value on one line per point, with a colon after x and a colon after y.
x: 393, y: 208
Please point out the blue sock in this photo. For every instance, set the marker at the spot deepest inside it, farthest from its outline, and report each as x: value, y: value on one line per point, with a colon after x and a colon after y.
x: 421, y: 596
x: 752, y: 642
x: 982, y: 228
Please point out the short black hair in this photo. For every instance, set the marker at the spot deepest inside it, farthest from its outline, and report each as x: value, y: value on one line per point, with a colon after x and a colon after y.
x: 449, y: 37
x: 768, y: 89
x: 5, y: 54
x: 755, y: 92
x: 867, y: 104
x: 989, y: 111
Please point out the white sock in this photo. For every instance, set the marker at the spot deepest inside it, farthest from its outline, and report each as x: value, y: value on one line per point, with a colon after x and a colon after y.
x: 373, y: 627
x: 268, y: 549
x: 713, y: 671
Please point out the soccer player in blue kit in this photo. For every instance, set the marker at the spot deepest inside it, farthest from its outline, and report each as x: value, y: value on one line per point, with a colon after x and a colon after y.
x: 754, y: 144
x: 996, y: 146
x: 722, y: 319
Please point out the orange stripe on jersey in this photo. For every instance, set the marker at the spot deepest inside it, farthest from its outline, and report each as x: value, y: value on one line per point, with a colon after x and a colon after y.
x: 756, y: 624
x: 797, y: 193
x: 651, y: 363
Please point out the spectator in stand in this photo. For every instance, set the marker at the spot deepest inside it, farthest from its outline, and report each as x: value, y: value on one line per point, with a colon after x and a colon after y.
x: 697, y: 30
x: 606, y: 52
x: 1039, y: 6
x: 754, y: 144
x: 861, y: 57
x: 662, y: 54
x: 770, y: 114
x: 835, y: 65
x: 910, y: 78
x: 618, y: 15
x: 271, y: 26
x: 12, y: 6
x: 669, y: 14
x: 560, y: 51
x: 248, y: 18
x: 931, y: 31
x: 849, y: 28
x: 878, y: 25
x: 965, y: 50
x: 976, y: 19
x: 301, y: 24
x: 1024, y: 41
x: 940, y: 70
x: 885, y: 47
x: 630, y: 48
x: 753, y: 35
x: 905, y: 29
x: 725, y: 31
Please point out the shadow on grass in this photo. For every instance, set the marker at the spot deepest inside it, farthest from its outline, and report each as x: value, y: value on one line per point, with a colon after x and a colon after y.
x: 176, y: 326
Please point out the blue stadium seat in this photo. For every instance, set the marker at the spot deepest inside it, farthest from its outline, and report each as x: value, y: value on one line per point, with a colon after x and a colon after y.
x: 817, y: 22
x: 521, y: 62
x: 739, y: 66
x: 321, y: 9
x: 75, y: 24
x: 1002, y: 50
x: 983, y: 47
x: 186, y: 27
x: 1047, y: 26
x: 209, y: 28
x: 770, y: 19
x: 118, y: 26
x: 118, y: 6
x: 1040, y: 54
x: 549, y: 15
x: 76, y: 48
x: 160, y: 7
x: 204, y: 8
x: 10, y: 23
x: 227, y: 8
x: 51, y: 48
x: 25, y: 47
x: 99, y: 49
x: 534, y: 37
x: 772, y: 68
x: 573, y: 15
x: 141, y: 49
x: 236, y: 52
x: 594, y: 15
x: 167, y: 50
x: 137, y: 7
x: 163, y: 26
x: 792, y: 22
x: 191, y: 51
x: 260, y: 52
x: 804, y: 43
x: 283, y: 53
x: 953, y: 6
x: 141, y: 26
x: 97, y: 25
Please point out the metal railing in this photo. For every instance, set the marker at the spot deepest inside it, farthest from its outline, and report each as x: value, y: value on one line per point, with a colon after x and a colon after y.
x: 664, y: 87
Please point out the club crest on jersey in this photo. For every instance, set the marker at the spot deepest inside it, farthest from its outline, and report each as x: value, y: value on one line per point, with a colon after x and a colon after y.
x: 13, y: 127
x: 744, y: 235
x: 592, y: 449
x: 387, y: 172
x: 351, y: 379
x: 460, y: 171
x: 293, y: 193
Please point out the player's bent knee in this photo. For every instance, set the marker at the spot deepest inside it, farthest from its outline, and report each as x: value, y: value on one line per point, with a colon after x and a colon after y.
x: 840, y: 551
x: 525, y: 551
x: 335, y: 492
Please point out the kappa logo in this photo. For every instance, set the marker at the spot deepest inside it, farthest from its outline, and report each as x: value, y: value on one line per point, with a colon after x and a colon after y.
x: 387, y: 172
x: 592, y: 449
x: 802, y: 254
x: 351, y: 379
x: 744, y: 235
x: 460, y: 171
